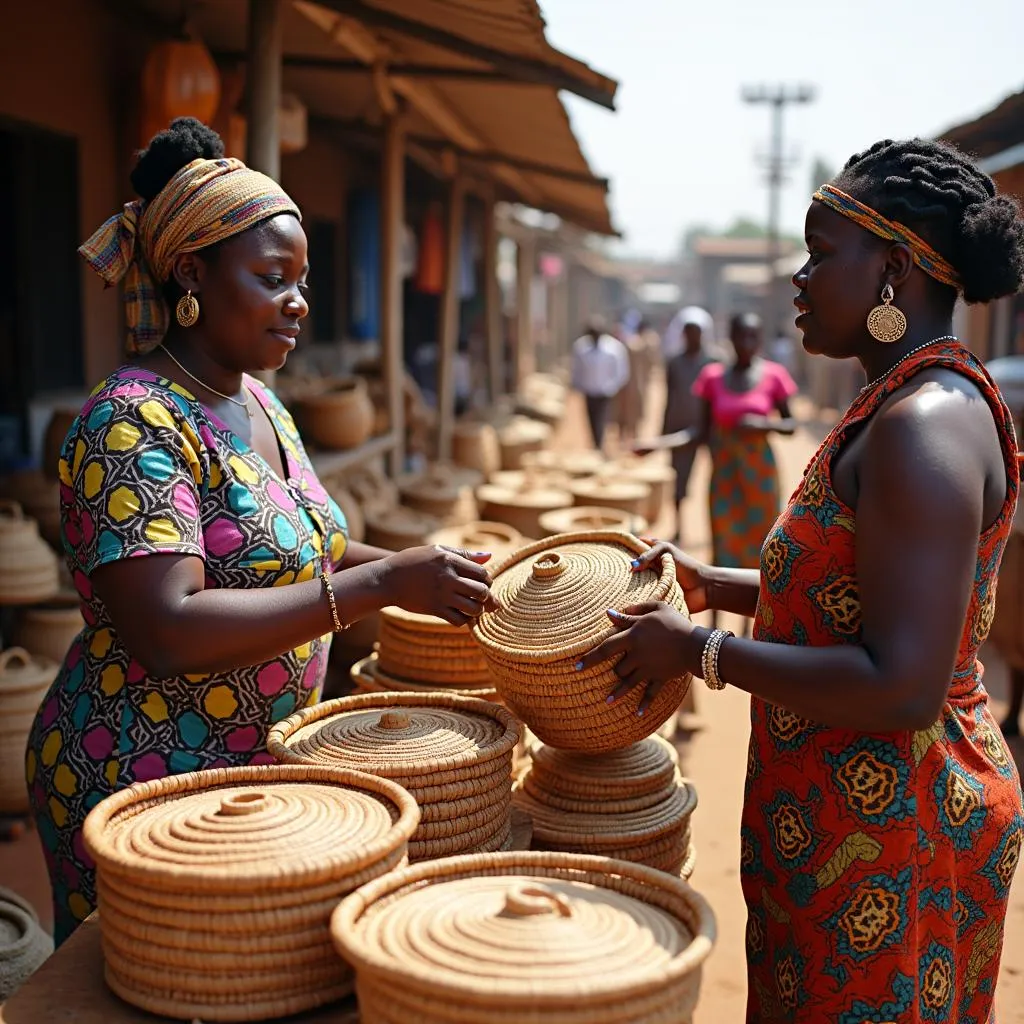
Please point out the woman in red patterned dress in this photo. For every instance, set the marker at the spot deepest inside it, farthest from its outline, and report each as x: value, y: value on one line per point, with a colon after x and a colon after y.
x: 882, y: 820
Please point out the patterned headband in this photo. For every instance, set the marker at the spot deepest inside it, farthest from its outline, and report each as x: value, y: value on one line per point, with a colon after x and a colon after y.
x: 206, y: 202
x: 924, y: 255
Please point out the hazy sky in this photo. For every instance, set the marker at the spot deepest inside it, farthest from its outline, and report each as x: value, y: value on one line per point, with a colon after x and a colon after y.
x: 682, y: 146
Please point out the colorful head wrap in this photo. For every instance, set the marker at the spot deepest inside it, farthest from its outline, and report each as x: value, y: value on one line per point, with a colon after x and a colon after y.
x: 204, y: 203
x: 924, y: 255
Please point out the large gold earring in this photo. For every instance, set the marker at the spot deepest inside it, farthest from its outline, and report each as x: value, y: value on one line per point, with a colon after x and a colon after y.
x: 887, y: 323
x: 187, y: 310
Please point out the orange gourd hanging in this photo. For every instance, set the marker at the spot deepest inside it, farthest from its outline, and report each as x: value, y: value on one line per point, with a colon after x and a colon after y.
x: 430, y: 268
x: 179, y: 79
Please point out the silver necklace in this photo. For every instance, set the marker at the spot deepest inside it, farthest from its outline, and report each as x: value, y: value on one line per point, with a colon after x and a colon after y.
x: 213, y: 391
x: 895, y: 366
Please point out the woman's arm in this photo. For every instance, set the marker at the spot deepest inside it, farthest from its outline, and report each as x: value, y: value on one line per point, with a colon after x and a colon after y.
x: 919, y: 516
x: 693, y: 437
x: 357, y: 553
x: 707, y: 586
x: 784, y: 423
x: 173, y: 626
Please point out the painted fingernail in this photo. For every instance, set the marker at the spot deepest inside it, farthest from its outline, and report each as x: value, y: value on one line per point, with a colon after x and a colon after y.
x: 640, y: 713
x: 635, y: 563
x: 579, y: 666
x: 611, y: 699
x: 481, y: 554
x: 614, y: 614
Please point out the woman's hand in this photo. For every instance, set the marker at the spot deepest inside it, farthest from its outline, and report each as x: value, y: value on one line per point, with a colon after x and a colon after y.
x: 435, y: 580
x: 693, y: 576
x: 652, y: 645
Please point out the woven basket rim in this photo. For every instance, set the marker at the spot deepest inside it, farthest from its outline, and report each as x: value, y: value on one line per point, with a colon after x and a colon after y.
x: 553, y: 654
x: 277, y: 738
x: 367, y: 671
x: 234, y: 877
x: 345, y: 930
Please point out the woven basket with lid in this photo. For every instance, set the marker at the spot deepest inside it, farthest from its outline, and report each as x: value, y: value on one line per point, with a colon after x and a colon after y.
x: 452, y: 753
x: 658, y: 475
x: 631, y: 804
x: 475, y: 446
x: 553, y: 599
x: 581, y: 518
x: 608, y: 492
x: 368, y: 677
x: 395, y: 529
x: 585, y: 462
x: 24, y: 681
x: 519, y: 436
x: 215, y: 888
x: 522, y: 507
x: 548, y: 938
x: 500, y: 539
x: 443, y: 491
x: 28, y: 566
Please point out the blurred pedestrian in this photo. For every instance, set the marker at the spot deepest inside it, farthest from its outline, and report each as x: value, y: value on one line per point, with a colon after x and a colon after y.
x: 643, y: 346
x: 600, y: 370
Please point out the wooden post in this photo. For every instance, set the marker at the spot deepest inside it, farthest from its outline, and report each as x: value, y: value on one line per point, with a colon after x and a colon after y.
x: 392, y: 192
x: 263, y: 87
x: 524, y: 315
x: 263, y: 99
x: 450, y: 319
x: 492, y: 303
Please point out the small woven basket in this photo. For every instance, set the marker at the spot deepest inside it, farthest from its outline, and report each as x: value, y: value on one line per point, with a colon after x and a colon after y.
x: 580, y: 518
x: 215, y: 888
x: 553, y: 598
x: 369, y: 677
x: 631, y: 804
x: 548, y: 938
x: 452, y: 753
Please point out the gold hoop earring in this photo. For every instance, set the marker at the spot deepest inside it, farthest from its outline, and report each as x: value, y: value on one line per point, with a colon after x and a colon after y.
x: 887, y: 323
x: 187, y: 310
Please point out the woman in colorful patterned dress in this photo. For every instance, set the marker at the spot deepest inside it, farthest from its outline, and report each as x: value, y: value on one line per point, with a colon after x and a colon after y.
x: 211, y: 565
x: 882, y: 821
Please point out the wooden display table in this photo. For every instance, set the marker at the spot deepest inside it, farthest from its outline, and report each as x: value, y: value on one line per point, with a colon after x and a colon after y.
x: 69, y: 989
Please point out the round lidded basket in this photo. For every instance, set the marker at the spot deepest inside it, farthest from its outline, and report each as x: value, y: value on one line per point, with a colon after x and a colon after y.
x: 659, y: 476
x: 581, y: 518
x: 605, y: 492
x: 553, y: 598
x: 475, y: 446
x: 519, y: 436
x: 426, y: 649
x: 521, y: 508
x: 368, y: 677
x: 24, y: 681
x: 215, y: 888
x: 500, y: 539
x: 470, y: 940
x: 452, y: 753
x: 395, y: 529
x: 443, y: 491
x: 572, y: 463
x: 28, y: 567
x: 631, y: 804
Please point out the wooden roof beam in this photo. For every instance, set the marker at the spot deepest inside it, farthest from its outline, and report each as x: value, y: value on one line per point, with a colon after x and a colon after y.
x: 522, y: 68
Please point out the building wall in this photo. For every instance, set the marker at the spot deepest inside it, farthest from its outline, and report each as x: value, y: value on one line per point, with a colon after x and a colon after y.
x: 59, y: 59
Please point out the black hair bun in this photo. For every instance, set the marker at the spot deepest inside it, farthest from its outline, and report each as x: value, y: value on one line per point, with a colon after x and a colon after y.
x: 990, y: 245
x: 186, y: 139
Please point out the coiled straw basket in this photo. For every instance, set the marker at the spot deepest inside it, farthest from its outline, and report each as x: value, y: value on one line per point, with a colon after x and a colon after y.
x: 553, y: 599
x: 215, y: 888
x: 452, y: 753
x: 548, y: 938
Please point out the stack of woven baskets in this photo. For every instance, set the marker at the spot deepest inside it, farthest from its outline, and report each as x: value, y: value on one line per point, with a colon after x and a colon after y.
x: 631, y: 804
x: 421, y: 653
x: 215, y: 889
x: 28, y: 567
x: 453, y: 754
x: 24, y: 681
x: 547, y: 938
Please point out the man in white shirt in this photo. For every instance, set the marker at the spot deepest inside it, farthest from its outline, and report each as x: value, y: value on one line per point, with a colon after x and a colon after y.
x: 600, y: 370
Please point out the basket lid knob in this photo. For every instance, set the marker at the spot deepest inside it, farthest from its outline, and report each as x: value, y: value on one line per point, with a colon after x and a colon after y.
x: 243, y: 803
x: 535, y: 900
x: 395, y: 720
x: 548, y: 565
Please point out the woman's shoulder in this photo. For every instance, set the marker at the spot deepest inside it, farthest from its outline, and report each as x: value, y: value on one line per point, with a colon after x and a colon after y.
x: 132, y: 387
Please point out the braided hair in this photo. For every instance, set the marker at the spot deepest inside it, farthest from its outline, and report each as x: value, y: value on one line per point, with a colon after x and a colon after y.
x: 935, y: 190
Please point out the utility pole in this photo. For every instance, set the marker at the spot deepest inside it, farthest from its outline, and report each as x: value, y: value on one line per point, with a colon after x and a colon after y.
x: 778, y: 98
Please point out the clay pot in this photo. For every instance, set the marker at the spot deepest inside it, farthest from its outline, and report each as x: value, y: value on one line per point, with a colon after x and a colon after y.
x: 24, y: 946
x: 340, y: 418
x: 48, y: 630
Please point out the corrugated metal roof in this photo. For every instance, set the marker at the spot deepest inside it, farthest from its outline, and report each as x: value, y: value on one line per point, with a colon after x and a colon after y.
x: 482, y: 105
x: 997, y: 130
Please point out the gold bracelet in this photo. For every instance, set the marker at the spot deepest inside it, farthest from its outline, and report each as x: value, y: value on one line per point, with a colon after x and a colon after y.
x: 709, y: 658
x: 329, y: 591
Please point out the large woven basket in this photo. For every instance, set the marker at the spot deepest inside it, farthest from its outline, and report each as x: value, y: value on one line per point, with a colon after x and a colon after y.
x: 659, y: 476
x: 553, y: 598
x: 444, y: 492
x: 475, y: 446
x: 631, y: 804
x: 395, y: 529
x: 24, y: 681
x: 452, y: 753
x: 424, y: 649
x: 368, y: 677
x: 607, y: 492
x: 28, y: 567
x: 215, y: 888
x: 519, y: 436
x: 544, y: 938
